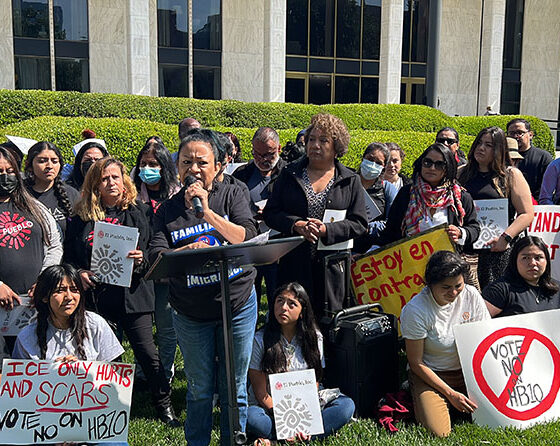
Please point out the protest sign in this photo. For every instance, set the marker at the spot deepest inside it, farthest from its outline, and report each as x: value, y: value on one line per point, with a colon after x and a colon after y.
x: 512, y: 368
x: 331, y: 216
x: 372, y: 210
x: 111, y: 245
x: 12, y: 321
x: 492, y: 215
x: 393, y: 275
x: 54, y: 402
x: 546, y: 225
x: 296, y: 403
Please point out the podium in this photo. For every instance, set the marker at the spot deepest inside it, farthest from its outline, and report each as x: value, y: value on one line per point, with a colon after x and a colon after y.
x: 220, y: 259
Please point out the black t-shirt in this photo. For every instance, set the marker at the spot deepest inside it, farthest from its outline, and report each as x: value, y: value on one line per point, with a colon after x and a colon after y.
x: 516, y: 297
x: 21, y: 248
x: 481, y: 187
x: 48, y: 198
x: 533, y: 165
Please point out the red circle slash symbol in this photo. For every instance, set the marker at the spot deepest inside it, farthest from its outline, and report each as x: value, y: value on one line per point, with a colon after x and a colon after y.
x: 500, y: 401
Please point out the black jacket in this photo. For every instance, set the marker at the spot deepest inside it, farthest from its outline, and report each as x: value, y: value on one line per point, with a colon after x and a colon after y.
x: 393, y: 230
x: 288, y: 204
x: 139, y: 298
x: 244, y: 173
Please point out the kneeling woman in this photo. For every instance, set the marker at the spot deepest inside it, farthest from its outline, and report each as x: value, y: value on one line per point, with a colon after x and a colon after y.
x: 289, y: 341
x: 427, y: 321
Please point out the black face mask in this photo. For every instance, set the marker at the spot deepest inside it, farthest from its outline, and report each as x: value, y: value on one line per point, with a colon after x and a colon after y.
x: 8, y: 184
x: 85, y: 167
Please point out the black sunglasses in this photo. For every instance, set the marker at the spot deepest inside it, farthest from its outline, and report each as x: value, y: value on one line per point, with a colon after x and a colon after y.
x: 446, y: 141
x: 439, y: 165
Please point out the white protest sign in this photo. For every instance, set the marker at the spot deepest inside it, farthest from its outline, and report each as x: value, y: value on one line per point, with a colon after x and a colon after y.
x: 331, y: 216
x: 296, y: 403
x: 372, y: 210
x: 232, y: 167
x: 512, y: 368
x: 546, y: 225
x: 111, y: 245
x: 23, y: 144
x: 54, y: 402
x: 12, y: 321
x: 492, y: 215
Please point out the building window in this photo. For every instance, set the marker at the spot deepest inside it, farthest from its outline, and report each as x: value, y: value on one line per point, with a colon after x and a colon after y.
x: 332, y: 51
x: 511, y: 69
x: 414, y: 51
x: 32, y: 45
x: 173, y: 44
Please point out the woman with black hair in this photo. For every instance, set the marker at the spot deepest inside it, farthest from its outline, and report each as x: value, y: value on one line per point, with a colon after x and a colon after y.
x: 449, y: 137
x: 433, y: 198
x: 289, y: 341
x: 43, y: 168
x: 88, y: 154
x: 435, y: 376
x: 526, y: 285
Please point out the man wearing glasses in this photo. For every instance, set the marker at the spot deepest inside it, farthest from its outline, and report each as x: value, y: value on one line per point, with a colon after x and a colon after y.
x: 535, y: 160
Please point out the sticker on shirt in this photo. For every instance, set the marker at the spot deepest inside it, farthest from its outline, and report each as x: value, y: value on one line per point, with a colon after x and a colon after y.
x: 194, y: 281
x: 15, y: 230
x: 210, y: 240
x: 192, y: 231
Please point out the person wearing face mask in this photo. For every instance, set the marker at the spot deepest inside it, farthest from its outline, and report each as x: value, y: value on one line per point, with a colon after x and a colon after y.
x: 89, y: 152
x: 29, y: 236
x: 382, y: 193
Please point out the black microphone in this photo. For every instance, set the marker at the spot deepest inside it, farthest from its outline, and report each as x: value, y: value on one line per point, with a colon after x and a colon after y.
x: 196, y: 202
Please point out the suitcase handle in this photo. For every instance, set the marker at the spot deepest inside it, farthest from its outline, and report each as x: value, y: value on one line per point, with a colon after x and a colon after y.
x: 354, y: 310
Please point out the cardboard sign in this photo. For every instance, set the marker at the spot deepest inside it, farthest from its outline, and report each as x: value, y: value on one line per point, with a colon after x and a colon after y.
x: 512, y: 368
x: 54, y: 402
x: 296, y: 403
x: 111, y: 245
x: 546, y: 225
x: 492, y: 215
x: 14, y: 320
x: 394, y: 274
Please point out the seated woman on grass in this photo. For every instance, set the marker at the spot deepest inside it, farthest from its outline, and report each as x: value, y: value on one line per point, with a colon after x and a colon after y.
x: 436, y: 379
x: 289, y: 341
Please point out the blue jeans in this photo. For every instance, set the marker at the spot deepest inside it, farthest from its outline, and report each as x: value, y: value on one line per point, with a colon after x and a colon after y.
x: 165, y: 332
x: 199, y: 343
x: 335, y: 415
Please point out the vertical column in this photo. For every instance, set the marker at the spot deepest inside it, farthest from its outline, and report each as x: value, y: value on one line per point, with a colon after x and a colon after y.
x: 274, y: 50
x: 390, y: 53
x: 491, y: 54
x: 139, y: 47
x: 243, y: 49
x: 7, y: 73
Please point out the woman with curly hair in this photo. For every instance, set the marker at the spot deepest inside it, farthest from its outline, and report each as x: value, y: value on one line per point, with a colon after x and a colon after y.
x: 43, y: 169
x: 109, y: 195
x: 303, y: 192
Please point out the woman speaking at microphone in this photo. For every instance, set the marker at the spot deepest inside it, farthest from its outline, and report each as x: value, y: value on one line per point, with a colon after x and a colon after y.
x: 205, y: 213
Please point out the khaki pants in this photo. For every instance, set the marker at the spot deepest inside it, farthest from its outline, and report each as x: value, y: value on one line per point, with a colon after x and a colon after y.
x: 431, y: 408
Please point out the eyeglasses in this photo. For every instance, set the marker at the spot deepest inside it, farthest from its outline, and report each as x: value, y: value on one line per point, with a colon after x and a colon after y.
x: 447, y: 141
x: 428, y: 163
x: 517, y: 133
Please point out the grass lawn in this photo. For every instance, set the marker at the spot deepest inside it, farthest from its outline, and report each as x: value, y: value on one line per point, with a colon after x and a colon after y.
x: 146, y: 430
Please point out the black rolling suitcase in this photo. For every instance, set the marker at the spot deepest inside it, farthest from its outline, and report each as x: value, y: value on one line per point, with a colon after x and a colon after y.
x: 361, y: 353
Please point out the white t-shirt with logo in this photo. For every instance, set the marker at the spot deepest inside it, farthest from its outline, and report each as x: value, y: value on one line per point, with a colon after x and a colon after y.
x: 424, y: 318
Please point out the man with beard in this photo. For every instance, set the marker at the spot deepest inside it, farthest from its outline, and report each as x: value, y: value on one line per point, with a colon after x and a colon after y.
x: 259, y: 175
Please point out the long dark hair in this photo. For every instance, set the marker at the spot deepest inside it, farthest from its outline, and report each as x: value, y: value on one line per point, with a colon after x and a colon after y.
x: 546, y: 284
x: 274, y: 358
x: 47, y: 283
x: 76, y: 178
x: 23, y: 199
x: 448, y: 157
x: 168, y: 171
x: 58, y: 186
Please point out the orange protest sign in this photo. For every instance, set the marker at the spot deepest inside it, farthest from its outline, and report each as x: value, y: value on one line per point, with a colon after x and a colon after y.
x: 394, y: 274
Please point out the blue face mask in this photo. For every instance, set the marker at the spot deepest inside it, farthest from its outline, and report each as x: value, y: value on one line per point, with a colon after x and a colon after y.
x: 370, y: 170
x: 150, y: 175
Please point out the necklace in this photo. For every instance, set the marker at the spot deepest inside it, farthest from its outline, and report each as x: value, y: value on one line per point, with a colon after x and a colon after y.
x: 537, y: 295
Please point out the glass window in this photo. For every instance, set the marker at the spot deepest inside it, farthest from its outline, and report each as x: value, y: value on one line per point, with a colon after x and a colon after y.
x: 296, y: 27
x: 370, y: 90
x: 72, y: 74
x: 346, y: 90
x: 173, y: 23
x: 33, y: 73
x: 206, y: 83
x: 321, y: 33
x: 420, y: 21
x: 207, y: 34
x: 70, y: 20
x: 31, y: 18
x: 295, y: 90
x: 513, y: 34
x: 348, y: 29
x: 418, y: 94
x: 320, y: 89
x: 407, y: 19
x: 372, y: 29
x: 173, y: 80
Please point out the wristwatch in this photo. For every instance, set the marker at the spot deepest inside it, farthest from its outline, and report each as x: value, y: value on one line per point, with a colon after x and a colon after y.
x: 508, y: 238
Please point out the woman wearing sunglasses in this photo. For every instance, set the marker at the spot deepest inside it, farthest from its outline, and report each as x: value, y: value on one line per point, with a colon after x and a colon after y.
x: 449, y: 137
x: 433, y: 198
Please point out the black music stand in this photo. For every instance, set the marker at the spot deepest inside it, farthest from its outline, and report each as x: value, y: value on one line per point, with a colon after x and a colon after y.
x: 220, y: 259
